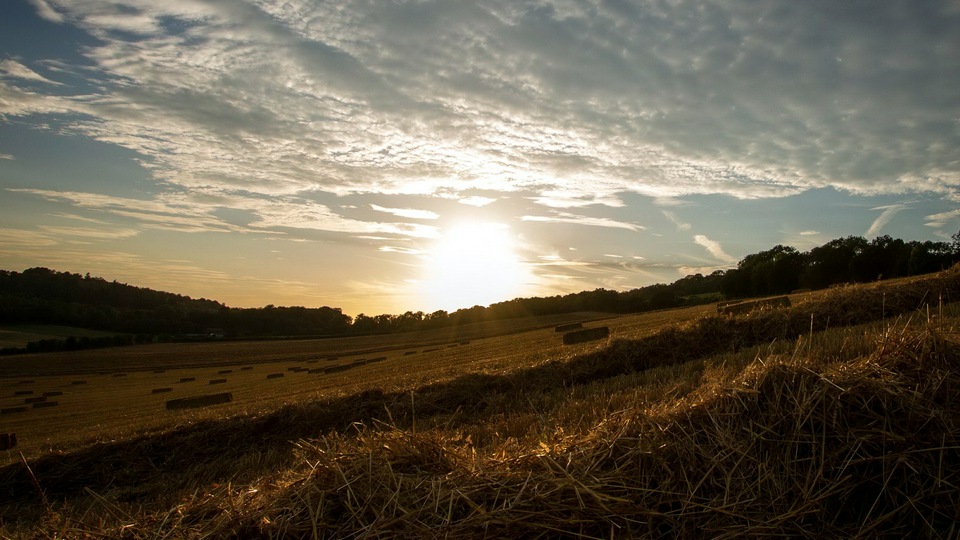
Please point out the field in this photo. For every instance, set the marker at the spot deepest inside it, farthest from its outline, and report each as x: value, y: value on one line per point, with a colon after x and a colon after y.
x: 838, y: 416
x: 110, y: 394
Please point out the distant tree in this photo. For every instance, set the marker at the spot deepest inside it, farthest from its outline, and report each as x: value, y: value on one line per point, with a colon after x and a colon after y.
x: 831, y: 262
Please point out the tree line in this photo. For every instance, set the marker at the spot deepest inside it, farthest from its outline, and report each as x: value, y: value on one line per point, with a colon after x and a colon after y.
x: 44, y: 296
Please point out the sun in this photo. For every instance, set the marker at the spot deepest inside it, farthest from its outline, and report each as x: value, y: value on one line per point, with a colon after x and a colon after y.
x: 472, y: 264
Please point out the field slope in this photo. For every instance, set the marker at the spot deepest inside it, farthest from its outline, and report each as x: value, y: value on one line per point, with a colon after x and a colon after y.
x: 837, y: 417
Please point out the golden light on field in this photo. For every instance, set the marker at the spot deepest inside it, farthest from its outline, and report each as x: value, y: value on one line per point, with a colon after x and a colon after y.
x: 472, y: 264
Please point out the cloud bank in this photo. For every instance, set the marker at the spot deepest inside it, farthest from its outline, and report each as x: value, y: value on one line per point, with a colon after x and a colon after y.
x: 656, y: 98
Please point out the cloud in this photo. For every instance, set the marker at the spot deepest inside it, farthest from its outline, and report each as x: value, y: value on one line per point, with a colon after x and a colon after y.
x: 714, y: 248
x: 197, y: 214
x: 564, y: 217
x: 88, y: 232
x: 20, y: 239
x: 575, y: 105
x: 12, y: 68
x: 7, y: 156
x: 681, y: 225
x: 407, y: 212
x: 941, y: 219
x: 809, y: 233
x: 46, y: 11
x: 884, y: 218
x: 476, y: 200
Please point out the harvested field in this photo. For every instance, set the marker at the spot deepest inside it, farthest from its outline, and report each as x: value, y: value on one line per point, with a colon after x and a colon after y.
x: 835, y: 417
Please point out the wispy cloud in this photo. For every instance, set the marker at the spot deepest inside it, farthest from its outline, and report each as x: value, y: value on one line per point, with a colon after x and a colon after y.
x: 941, y: 219
x: 681, y: 225
x: 111, y: 233
x: 714, y: 248
x: 888, y: 212
x: 564, y: 217
x: 477, y: 201
x: 197, y: 214
x: 407, y: 212
x: 47, y: 12
x: 12, y: 68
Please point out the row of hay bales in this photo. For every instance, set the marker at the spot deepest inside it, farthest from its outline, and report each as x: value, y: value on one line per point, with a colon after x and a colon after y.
x: 34, y: 401
x: 226, y: 397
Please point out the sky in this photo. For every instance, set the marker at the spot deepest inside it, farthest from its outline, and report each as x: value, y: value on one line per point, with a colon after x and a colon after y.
x: 383, y: 156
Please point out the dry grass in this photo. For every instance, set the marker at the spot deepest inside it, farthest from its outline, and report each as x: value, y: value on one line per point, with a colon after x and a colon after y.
x: 821, y: 420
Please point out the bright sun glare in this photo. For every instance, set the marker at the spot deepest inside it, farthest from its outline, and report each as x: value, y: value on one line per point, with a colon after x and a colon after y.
x: 472, y: 264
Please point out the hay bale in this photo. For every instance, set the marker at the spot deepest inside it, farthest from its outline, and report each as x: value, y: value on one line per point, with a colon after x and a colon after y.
x: 375, y: 360
x: 465, y: 342
x: 224, y: 371
x: 30, y: 381
x: 159, y: 371
x: 314, y: 361
x: 337, y: 369
x: 12, y: 410
x: 54, y: 393
x: 45, y: 404
x: 119, y: 374
x: 22, y: 393
x: 589, y: 334
x: 8, y: 441
x: 316, y: 370
x: 188, y: 379
x: 568, y: 327
x: 76, y: 383
x: 199, y: 401
x: 217, y: 381
x: 408, y: 353
x: 246, y: 368
x: 274, y: 375
x: 161, y: 390
x: 38, y: 399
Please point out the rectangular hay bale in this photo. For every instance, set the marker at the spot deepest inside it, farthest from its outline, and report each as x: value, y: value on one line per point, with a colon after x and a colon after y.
x: 274, y: 375
x: 45, y: 404
x: 11, y: 410
x: 23, y: 393
x: 217, y: 381
x: 54, y: 393
x: 188, y: 379
x: 199, y: 401
x: 161, y: 390
x: 589, y: 334
x: 38, y: 399
x: 337, y: 369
